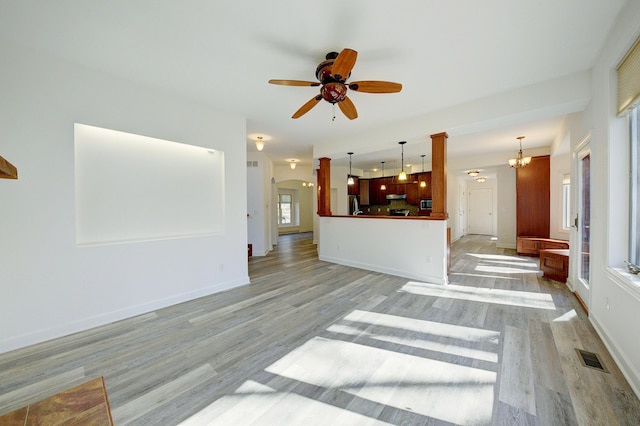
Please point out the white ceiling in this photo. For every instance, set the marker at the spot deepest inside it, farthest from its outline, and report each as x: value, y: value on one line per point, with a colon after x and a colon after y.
x: 445, y: 53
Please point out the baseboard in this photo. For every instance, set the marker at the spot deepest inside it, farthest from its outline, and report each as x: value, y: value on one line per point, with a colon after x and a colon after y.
x: 390, y: 271
x: 628, y: 371
x: 17, y: 342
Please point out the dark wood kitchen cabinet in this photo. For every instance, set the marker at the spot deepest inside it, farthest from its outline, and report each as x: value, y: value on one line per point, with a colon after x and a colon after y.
x: 426, y: 191
x: 364, y: 192
x: 412, y: 193
x: 355, y: 188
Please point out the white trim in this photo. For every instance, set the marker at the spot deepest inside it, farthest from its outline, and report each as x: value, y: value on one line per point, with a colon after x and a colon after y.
x: 626, y: 281
x: 623, y: 363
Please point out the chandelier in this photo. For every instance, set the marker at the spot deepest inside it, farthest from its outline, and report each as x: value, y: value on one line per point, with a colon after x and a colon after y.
x: 520, y: 161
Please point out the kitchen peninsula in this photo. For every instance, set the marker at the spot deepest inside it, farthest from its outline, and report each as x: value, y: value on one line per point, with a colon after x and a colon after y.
x: 415, y: 247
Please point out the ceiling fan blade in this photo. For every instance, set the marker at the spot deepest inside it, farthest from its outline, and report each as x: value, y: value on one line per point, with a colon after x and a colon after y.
x: 348, y: 108
x: 343, y: 64
x: 307, y: 107
x: 294, y: 83
x: 375, y: 86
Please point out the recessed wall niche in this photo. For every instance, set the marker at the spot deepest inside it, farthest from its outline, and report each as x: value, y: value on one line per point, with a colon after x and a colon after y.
x: 135, y: 188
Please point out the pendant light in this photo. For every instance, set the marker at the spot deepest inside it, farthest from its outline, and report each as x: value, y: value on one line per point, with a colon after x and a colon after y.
x: 402, y: 176
x: 350, y: 181
x: 259, y: 143
x: 423, y: 183
x: 383, y: 187
x: 520, y: 161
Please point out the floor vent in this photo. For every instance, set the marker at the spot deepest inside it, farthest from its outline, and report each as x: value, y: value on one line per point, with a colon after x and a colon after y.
x: 591, y: 360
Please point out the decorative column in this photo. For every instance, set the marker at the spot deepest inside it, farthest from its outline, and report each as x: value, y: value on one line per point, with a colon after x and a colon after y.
x: 324, y: 187
x: 439, y: 176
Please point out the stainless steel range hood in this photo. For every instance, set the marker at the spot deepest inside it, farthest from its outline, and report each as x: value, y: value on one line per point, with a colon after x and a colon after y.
x: 396, y: 196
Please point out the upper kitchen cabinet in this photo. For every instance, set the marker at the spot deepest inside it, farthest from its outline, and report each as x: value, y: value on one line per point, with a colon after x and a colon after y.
x: 411, y: 189
x: 355, y: 188
x: 364, y: 192
x: 426, y: 191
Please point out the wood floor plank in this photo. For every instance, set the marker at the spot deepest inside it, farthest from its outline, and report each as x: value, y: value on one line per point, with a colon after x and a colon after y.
x: 310, y: 341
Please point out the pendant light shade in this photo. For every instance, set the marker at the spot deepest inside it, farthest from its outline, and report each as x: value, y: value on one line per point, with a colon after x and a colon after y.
x: 350, y: 181
x: 520, y: 161
x: 402, y: 176
x: 423, y: 183
x: 383, y: 187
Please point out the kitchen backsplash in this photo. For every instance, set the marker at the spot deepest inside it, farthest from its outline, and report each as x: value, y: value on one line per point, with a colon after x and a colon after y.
x: 383, y: 210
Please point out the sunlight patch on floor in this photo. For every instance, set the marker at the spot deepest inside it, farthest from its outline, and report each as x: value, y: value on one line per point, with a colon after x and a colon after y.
x: 452, y: 339
x: 504, y: 270
x: 257, y: 404
x: 500, y: 277
x: 513, y: 263
x: 485, y: 295
x: 495, y: 257
x: 436, y: 389
x: 571, y: 315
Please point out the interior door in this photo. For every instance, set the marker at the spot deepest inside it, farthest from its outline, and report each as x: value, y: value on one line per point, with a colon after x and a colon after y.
x: 582, y: 286
x: 480, y: 211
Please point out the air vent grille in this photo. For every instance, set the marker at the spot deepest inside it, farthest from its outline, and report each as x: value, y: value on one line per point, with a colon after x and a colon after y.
x: 591, y: 360
x: 252, y: 164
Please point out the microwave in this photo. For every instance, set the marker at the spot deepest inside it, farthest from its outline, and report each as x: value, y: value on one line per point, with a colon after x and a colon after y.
x: 425, y: 204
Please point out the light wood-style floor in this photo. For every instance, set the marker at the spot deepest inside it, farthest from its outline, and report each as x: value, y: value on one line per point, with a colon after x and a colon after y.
x: 310, y: 342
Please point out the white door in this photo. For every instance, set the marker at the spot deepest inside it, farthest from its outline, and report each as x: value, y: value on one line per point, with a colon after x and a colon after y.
x: 583, y: 250
x: 480, y: 211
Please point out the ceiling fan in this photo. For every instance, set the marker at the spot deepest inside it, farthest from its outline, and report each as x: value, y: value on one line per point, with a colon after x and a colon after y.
x: 332, y: 74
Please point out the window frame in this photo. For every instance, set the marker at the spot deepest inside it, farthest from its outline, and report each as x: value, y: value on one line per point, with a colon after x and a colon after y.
x: 282, y: 194
x: 634, y: 186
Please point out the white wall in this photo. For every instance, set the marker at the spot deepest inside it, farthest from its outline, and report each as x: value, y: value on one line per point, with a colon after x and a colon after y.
x: 453, y: 206
x: 411, y: 248
x: 559, y: 164
x: 259, y: 203
x: 506, y: 213
x: 614, y: 298
x: 51, y: 287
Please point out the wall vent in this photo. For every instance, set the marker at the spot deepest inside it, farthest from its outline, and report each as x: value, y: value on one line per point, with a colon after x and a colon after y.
x: 591, y: 360
x: 252, y: 164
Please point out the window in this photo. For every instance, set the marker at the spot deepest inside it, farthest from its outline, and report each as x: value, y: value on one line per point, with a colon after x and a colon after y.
x: 634, y: 187
x: 566, y: 201
x: 285, y: 209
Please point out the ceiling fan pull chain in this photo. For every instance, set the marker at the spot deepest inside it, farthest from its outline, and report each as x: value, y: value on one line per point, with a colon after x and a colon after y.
x: 334, y: 112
